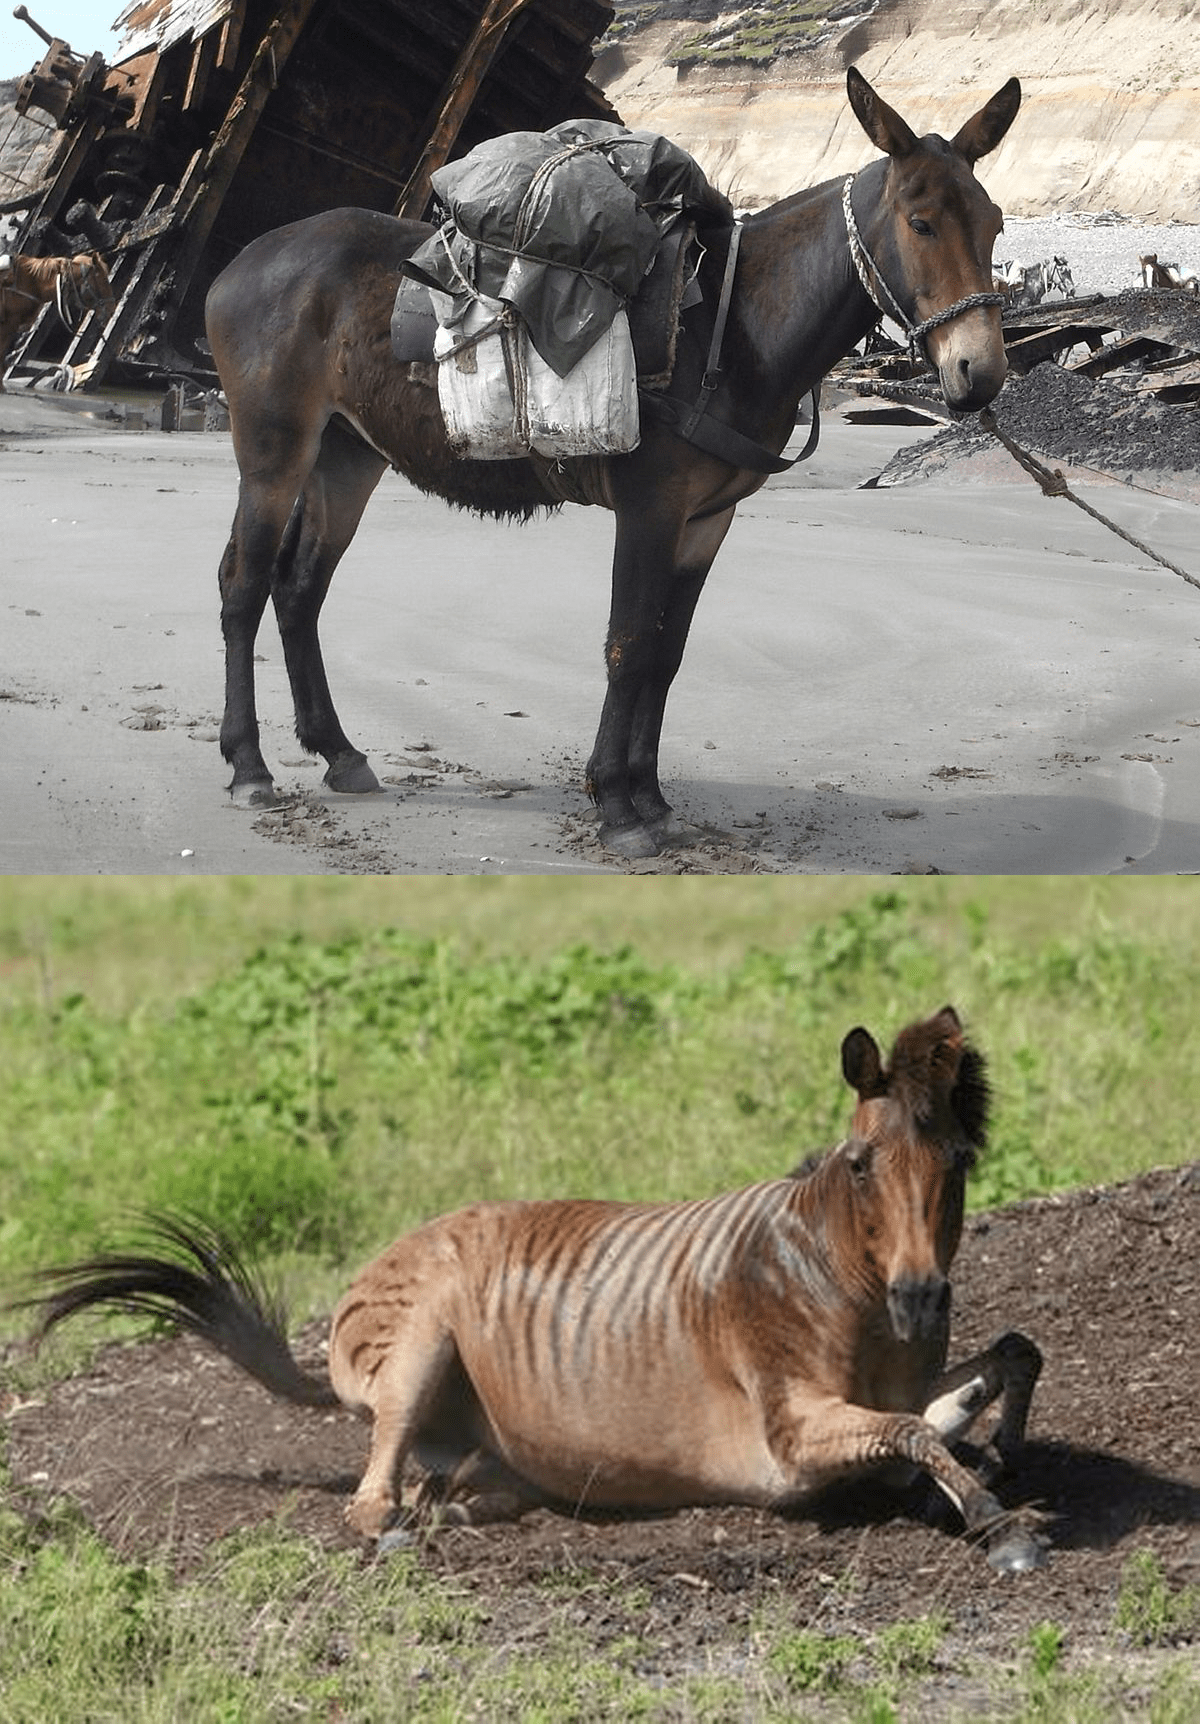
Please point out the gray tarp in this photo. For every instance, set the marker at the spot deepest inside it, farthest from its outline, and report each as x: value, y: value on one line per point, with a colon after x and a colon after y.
x: 563, y: 234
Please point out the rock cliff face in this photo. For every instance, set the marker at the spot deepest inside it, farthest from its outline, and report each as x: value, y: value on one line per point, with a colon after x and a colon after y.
x: 1110, y: 118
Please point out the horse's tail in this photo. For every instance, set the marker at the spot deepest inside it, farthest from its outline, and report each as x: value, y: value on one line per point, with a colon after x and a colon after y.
x: 200, y: 1282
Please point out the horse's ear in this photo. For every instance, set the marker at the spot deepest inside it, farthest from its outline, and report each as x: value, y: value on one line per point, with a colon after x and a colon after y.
x: 883, y: 125
x: 984, y: 130
x: 947, y: 1049
x: 862, y: 1066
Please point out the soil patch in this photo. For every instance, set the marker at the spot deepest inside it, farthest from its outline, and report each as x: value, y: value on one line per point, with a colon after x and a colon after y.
x: 167, y: 1448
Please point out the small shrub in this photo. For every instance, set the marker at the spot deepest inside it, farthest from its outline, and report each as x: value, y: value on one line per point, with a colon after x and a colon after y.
x: 1149, y: 1610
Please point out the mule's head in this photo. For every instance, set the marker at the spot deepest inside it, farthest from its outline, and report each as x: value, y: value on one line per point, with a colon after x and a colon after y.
x: 932, y: 232
x: 919, y: 1121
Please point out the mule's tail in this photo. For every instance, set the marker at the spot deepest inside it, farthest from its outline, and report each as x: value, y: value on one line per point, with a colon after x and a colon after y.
x: 202, y: 1283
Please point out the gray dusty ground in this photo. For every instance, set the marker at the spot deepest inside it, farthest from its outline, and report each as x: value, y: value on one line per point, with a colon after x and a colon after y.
x: 957, y: 674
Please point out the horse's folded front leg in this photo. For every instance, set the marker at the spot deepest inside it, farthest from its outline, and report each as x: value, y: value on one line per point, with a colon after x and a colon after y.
x: 841, y: 1439
x: 1008, y: 1371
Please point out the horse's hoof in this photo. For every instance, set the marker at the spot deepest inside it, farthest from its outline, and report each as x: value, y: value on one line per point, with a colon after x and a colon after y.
x: 352, y: 777
x: 1017, y: 1553
x: 256, y: 793
x: 631, y: 842
x: 395, y: 1538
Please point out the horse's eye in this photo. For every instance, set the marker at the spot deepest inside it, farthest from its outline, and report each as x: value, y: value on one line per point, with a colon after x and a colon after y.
x: 919, y: 225
x: 858, y: 1159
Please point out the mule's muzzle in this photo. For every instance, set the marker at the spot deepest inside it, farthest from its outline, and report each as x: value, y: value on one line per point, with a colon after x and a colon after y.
x: 917, y: 1305
x: 971, y: 364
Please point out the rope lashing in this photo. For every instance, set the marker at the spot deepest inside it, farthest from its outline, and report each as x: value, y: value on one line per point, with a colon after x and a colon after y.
x: 1055, y: 485
x: 881, y: 295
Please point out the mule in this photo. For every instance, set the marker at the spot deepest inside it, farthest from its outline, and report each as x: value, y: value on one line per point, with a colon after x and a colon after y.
x: 76, y: 284
x: 747, y: 1348
x: 299, y: 329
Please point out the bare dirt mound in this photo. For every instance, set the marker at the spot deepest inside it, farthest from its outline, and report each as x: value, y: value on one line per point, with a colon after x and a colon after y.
x: 166, y: 1449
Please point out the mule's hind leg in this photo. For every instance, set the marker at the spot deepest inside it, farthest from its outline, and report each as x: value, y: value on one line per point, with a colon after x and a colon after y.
x: 275, y: 455
x: 1007, y: 1371
x: 323, y: 523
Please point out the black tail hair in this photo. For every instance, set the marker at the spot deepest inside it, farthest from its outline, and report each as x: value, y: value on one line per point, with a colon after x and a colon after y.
x: 203, y: 1284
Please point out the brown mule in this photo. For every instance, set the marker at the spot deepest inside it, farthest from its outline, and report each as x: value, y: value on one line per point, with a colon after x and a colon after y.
x: 299, y: 328
x: 748, y: 1348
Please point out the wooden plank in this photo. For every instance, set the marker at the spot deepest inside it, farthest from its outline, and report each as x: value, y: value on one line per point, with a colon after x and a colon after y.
x: 455, y: 102
x: 1030, y: 350
x: 211, y: 172
x: 204, y: 58
x: 1118, y: 353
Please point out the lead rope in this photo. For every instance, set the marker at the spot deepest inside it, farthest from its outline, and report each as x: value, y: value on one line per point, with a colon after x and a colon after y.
x: 1055, y: 485
x: 878, y: 290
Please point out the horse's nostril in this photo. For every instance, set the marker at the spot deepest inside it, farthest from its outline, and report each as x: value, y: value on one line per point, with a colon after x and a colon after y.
x: 917, y: 1304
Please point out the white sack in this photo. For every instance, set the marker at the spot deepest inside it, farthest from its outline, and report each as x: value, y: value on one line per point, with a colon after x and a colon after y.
x: 499, y: 398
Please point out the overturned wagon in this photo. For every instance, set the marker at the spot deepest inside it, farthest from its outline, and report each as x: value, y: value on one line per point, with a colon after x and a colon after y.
x: 223, y: 119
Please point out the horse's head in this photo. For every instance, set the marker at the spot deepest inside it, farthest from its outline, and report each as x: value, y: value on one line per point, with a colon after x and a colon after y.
x: 91, y: 280
x: 919, y: 1121
x: 931, y: 235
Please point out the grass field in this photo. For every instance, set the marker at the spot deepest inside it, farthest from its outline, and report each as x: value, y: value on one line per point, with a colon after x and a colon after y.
x: 320, y: 1063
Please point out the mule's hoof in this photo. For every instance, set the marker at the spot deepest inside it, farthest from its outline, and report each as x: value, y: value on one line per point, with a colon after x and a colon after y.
x: 671, y: 833
x: 1016, y: 1553
x: 257, y: 793
x: 352, y: 777
x: 632, y: 842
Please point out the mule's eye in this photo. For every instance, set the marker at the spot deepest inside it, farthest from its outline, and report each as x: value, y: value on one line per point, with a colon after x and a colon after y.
x: 919, y: 225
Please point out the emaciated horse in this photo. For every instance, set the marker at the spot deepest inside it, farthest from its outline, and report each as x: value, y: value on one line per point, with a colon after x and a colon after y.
x: 299, y: 328
x: 748, y: 1348
x: 77, y: 284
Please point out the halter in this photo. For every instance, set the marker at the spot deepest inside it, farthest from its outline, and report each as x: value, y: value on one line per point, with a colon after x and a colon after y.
x: 878, y: 292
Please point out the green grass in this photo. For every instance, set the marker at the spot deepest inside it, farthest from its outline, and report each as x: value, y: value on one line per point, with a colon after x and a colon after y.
x: 270, y: 1627
x: 320, y: 1064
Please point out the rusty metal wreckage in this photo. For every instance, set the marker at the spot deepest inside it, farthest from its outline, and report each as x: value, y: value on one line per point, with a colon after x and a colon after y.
x: 223, y: 119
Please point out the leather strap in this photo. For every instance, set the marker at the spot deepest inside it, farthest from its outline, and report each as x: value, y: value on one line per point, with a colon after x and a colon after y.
x: 690, y: 420
x: 722, y: 440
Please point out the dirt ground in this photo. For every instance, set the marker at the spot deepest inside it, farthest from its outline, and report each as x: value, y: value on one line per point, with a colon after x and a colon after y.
x: 167, y: 1449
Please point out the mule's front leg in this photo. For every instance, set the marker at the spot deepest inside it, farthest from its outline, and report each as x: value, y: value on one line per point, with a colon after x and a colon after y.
x: 699, y: 544
x: 659, y: 566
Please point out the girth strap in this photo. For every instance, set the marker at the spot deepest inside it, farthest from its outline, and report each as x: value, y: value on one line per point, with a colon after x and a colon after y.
x: 690, y: 420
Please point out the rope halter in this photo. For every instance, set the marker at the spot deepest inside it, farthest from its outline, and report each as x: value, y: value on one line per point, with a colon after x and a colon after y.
x: 881, y: 295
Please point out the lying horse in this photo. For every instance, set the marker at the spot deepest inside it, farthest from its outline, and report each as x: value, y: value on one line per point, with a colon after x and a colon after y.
x: 299, y: 329
x: 749, y: 1348
x: 76, y: 285
x: 1157, y: 275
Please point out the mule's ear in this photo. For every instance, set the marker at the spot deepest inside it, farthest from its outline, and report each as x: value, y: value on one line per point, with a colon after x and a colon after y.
x: 984, y: 130
x: 862, y: 1066
x: 883, y: 125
